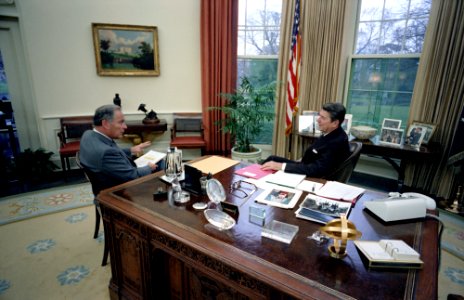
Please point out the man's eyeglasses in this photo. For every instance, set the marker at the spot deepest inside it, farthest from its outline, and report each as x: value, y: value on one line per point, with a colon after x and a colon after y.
x: 242, y: 189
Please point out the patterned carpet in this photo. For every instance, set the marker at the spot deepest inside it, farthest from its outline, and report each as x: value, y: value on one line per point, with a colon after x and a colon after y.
x: 33, y: 204
x: 47, y: 250
x: 53, y: 257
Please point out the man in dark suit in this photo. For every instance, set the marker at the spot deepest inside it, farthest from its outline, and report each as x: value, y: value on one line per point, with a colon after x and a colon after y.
x: 327, y: 152
x: 107, y: 163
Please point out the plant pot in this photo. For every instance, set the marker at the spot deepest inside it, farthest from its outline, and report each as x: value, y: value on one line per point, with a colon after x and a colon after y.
x: 252, y: 157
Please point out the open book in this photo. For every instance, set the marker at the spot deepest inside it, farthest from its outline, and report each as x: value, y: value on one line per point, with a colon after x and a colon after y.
x: 151, y: 156
x: 389, y: 254
x: 322, y: 210
x: 340, y: 191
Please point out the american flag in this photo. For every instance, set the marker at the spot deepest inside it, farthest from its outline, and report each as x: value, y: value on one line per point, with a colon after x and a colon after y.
x: 293, y: 70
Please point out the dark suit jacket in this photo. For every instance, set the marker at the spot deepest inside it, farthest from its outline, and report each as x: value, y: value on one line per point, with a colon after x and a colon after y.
x: 109, y: 164
x: 322, y: 157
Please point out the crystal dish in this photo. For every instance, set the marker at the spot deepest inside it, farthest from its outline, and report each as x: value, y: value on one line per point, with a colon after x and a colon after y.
x: 219, y: 219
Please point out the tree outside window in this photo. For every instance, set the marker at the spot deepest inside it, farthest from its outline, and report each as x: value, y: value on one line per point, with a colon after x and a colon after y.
x: 390, y: 35
x: 258, y: 47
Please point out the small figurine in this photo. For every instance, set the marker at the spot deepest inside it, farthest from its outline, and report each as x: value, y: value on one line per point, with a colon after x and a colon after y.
x: 151, y: 117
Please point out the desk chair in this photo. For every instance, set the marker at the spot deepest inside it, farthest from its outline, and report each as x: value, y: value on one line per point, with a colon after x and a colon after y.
x: 344, y: 171
x: 71, y: 131
x: 96, y: 188
x: 187, y: 132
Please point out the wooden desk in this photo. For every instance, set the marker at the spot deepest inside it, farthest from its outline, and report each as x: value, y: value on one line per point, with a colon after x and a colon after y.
x: 160, y: 250
x: 405, y: 153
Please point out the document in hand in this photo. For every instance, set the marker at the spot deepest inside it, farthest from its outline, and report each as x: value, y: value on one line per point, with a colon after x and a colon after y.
x: 389, y: 254
x: 151, y: 156
x: 340, y: 191
x: 254, y: 171
x: 285, y: 179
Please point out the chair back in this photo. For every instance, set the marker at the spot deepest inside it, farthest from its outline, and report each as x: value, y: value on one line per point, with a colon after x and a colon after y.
x: 72, y: 128
x: 92, y: 177
x: 187, y: 131
x: 344, y: 171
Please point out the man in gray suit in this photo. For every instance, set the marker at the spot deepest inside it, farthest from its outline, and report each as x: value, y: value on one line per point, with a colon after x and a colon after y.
x: 103, y: 160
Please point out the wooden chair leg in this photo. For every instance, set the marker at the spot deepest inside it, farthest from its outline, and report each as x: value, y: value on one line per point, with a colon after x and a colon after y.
x: 63, y: 166
x: 97, y: 222
x: 106, y: 249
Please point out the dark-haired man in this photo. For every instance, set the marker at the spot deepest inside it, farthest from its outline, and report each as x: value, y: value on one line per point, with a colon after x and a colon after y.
x: 100, y: 155
x: 326, y: 153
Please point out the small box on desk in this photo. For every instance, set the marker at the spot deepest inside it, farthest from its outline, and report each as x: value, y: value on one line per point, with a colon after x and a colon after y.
x: 280, y: 231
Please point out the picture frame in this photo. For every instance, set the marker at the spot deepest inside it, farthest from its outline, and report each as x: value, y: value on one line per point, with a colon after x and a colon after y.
x: 308, y: 124
x: 391, y: 136
x: 346, y: 125
x: 126, y: 50
x: 430, y: 129
x: 415, y: 135
x: 391, y: 123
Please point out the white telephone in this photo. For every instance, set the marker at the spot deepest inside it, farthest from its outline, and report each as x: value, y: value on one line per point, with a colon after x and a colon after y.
x: 401, y: 206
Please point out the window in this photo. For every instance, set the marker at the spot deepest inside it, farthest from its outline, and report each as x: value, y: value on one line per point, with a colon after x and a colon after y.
x: 390, y: 34
x: 258, y: 47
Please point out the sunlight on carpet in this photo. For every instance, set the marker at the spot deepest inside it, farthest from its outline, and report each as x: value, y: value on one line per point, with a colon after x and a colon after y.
x: 53, y: 257
x: 33, y: 204
x: 451, y: 273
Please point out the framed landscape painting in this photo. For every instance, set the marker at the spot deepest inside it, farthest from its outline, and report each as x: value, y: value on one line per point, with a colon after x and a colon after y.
x: 126, y: 50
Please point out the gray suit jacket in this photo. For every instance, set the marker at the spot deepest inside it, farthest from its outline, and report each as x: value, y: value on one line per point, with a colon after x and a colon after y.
x: 109, y: 164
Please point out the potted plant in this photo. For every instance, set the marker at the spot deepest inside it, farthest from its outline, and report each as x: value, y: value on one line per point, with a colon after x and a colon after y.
x: 246, y: 112
x: 34, y: 166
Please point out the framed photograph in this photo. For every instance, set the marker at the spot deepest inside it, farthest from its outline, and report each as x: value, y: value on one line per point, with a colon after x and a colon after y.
x: 415, y: 135
x: 126, y: 50
x: 429, y: 130
x: 346, y: 125
x: 390, y: 136
x: 308, y: 124
x: 391, y: 123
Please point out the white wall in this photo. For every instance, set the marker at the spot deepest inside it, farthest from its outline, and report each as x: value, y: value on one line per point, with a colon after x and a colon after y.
x: 57, y: 38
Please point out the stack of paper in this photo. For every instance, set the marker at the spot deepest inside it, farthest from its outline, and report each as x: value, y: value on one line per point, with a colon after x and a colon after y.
x: 213, y: 164
x: 285, y: 179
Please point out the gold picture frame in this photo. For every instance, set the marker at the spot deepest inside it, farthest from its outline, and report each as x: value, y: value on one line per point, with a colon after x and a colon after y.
x: 126, y: 50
